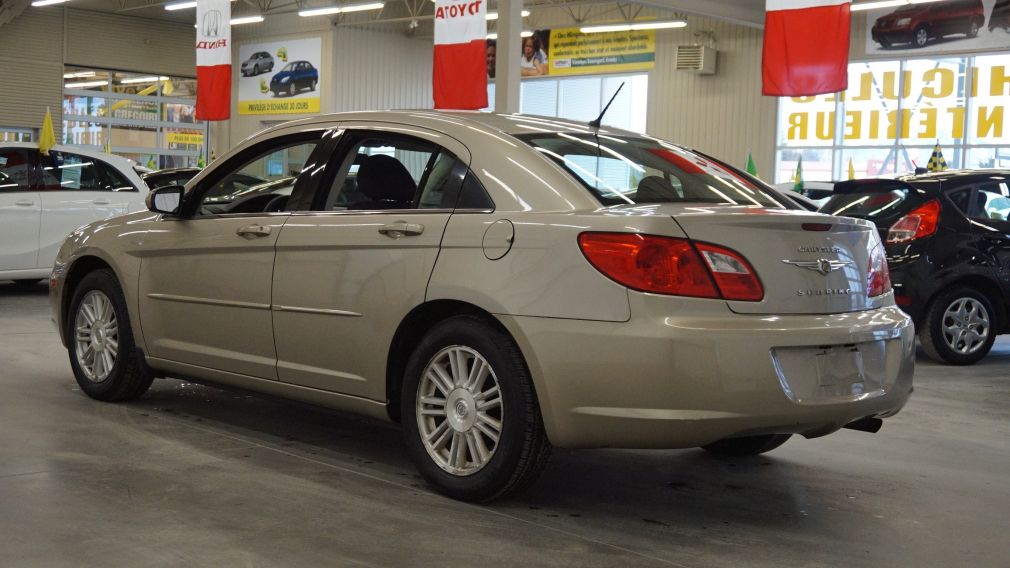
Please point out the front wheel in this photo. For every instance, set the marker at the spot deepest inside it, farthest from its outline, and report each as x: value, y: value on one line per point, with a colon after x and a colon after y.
x: 312, y: 85
x: 103, y: 356
x: 960, y: 327
x: 471, y: 420
x: 291, y: 89
x: 747, y: 446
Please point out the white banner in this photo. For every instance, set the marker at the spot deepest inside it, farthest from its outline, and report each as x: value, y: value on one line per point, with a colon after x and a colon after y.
x: 213, y: 32
x: 460, y: 21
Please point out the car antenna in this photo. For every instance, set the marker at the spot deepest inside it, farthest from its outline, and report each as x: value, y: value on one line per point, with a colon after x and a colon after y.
x: 599, y: 119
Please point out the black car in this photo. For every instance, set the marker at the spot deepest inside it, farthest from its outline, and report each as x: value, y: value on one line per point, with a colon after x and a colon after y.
x: 947, y: 238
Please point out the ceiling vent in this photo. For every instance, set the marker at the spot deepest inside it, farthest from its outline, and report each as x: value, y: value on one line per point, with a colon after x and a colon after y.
x: 696, y: 59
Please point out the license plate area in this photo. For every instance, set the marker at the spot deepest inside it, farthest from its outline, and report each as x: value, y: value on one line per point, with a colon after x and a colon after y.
x: 826, y: 374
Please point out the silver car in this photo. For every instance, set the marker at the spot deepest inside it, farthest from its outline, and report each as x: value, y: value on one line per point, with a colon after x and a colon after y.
x: 498, y: 284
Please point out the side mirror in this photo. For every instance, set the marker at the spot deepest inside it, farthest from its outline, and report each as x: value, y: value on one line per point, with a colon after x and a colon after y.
x: 165, y: 199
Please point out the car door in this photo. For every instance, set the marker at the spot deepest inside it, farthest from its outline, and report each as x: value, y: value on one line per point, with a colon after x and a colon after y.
x: 989, y: 212
x: 75, y: 190
x: 354, y: 261
x: 205, y: 276
x: 20, y: 210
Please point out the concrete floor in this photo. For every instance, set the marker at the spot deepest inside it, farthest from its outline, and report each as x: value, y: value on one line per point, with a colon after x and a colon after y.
x: 194, y: 476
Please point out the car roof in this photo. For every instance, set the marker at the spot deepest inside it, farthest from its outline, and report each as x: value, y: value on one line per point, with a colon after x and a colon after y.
x: 511, y: 124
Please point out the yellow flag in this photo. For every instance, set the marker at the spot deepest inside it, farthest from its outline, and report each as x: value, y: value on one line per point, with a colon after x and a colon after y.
x: 47, y: 138
x: 852, y: 170
x: 167, y: 88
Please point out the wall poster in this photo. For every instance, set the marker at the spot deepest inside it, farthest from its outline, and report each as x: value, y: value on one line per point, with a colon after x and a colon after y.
x: 280, y: 77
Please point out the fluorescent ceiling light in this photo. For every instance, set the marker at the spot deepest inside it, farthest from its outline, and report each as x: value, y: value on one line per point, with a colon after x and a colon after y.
x: 319, y: 12
x: 142, y: 80
x: 38, y: 3
x: 633, y: 26
x: 525, y: 33
x: 79, y: 75
x: 180, y: 6
x: 363, y: 7
x: 85, y: 84
x: 246, y: 20
x: 494, y: 15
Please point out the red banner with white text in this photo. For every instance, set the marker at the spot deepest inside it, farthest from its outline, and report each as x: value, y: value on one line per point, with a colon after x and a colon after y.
x: 459, y: 80
x: 213, y: 59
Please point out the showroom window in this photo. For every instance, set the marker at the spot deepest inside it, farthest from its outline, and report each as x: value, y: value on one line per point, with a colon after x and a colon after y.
x: 892, y: 116
x: 582, y: 99
x: 148, y: 118
x: 15, y: 134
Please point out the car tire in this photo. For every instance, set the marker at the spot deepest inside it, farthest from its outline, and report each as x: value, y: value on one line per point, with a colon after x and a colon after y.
x: 973, y: 28
x: 920, y: 37
x: 453, y: 445
x: 256, y: 69
x: 291, y: 89
x: 98, y: 319
x: 747, y: 445
x: 884, y: 43
x: 312, y: 85
x: 941, y: 332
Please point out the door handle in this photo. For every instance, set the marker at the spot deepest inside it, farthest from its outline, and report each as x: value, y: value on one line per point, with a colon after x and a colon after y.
x: 25, y: 202
x: 401, y: 229
x: 253, y: 231
x: 101, y: 201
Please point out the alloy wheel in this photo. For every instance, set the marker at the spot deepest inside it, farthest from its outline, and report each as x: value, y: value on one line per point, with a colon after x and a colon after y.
x: 965, y: 325
x: 96, y: 336
x: 459, y: 410
x: 921, y: 37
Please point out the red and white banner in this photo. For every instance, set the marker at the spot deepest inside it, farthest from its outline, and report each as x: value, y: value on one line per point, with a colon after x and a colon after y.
x: 459, y: 79
x: 806, y: 47
x: 213, y: 59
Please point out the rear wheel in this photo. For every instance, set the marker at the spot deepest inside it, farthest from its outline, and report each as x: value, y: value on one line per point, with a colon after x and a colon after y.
x: 471, y: 420
x: 747, y: 446
x: 920, y: 37
x: 103, y: 356
x: 973, y: 28
x: 256, y: 69
x: 960, y: 327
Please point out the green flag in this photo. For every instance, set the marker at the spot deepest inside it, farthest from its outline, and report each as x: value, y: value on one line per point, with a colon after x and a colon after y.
x: 798, y: 177
x: 752, y: 169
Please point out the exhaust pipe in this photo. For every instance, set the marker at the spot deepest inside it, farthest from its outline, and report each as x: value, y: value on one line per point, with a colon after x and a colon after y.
x: 868, y: 424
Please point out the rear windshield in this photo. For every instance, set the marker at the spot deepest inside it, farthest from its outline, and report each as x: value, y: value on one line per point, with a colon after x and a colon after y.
x: 866, y: 204
x: 631, y: 170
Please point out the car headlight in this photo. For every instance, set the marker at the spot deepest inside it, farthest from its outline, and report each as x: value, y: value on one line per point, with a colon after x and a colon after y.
x: 903, y: 22
x: 285, y: 79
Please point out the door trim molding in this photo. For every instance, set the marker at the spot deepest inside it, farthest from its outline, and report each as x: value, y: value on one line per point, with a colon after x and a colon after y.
x: 345, y: 313
x: 208, y: 301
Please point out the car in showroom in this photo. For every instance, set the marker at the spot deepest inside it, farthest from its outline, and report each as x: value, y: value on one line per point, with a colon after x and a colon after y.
x: 947, y: 237
x: 170, y: 176
x: 45, y: 197
x: 259, y: 62
x: 917, y: 23
x: 293, y: 78
x: 499, y: 285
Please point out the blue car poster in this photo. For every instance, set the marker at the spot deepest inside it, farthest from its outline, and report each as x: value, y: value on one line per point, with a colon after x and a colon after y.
x: 280, y: 77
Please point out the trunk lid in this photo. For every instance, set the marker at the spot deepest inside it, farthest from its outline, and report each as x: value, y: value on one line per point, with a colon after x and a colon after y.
x: 808, y: 263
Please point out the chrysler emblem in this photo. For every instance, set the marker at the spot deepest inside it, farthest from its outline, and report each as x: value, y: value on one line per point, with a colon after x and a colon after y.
x: 822, y: 265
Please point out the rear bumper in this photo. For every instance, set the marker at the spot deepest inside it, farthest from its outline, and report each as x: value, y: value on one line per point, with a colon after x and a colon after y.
x: 687, y: 377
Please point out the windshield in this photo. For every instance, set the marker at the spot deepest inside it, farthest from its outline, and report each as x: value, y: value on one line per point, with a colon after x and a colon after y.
x: 289, y: 67
x: 632, y: 170
x: 866, y: 204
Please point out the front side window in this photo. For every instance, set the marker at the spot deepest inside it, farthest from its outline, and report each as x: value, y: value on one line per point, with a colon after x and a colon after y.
x: 631, y: 170
x: 73, y: 172
x: 258, y: 183
x: 15, y: 170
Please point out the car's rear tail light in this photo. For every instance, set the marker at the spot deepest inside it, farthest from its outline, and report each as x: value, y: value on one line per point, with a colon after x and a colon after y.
x: 733, y: 274
x: 878, y: 277
x: 666, y: 265
x: 920, y: 222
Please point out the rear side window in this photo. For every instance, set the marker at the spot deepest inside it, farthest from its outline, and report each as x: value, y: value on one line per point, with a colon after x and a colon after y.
x: 991, y: 202
x: 71, y: 172
x: 632, y: 170
x: 868, y: 204
x: 15, y: 170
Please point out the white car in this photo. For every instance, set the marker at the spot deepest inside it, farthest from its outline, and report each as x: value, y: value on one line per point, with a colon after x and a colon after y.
x: 44, y: 198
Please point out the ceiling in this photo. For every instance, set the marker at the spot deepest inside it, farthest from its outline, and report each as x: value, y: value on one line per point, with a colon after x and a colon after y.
x: 744, y: 12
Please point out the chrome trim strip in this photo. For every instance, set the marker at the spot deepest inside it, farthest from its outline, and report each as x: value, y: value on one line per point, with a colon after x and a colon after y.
x: 296, y: 309
x: 208, y: 301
